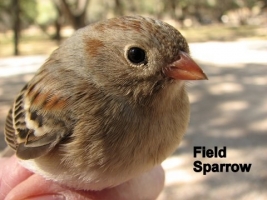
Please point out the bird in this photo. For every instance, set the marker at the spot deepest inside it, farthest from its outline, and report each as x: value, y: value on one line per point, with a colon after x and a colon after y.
x: 108, y: 105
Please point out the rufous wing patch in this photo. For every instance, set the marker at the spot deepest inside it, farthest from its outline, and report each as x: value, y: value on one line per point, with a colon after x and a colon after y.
x: 55, y: 103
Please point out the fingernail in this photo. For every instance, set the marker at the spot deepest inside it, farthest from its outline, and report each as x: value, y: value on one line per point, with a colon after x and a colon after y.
x: 47, y: 197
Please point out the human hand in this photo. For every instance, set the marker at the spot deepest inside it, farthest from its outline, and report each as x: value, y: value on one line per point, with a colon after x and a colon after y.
x: 17, y: 182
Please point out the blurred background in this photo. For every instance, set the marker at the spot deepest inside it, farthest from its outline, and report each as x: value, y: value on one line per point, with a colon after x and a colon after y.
x: 36, y: 27
x: 228, y: 39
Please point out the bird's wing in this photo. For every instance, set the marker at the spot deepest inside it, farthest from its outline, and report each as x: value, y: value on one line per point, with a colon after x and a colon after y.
x: 10, y: 131
x: 35, y: 124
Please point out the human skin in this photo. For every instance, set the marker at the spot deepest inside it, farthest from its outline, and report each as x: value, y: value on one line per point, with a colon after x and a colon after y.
x: 17, y: 182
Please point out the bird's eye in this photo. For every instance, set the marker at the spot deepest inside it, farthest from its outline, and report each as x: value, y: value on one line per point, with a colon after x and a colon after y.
x: 136, y: 55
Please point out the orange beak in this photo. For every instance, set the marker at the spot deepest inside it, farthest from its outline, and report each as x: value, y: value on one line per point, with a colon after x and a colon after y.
x: 184, y: 68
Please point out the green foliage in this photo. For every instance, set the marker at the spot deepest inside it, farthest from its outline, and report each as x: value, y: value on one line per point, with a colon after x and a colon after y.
x: 4, y: 12
x: 28, y: 10
x: 46, y: 13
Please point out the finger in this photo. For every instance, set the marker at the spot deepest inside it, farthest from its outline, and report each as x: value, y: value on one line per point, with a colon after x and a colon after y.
x: 147, y: 186
x: 11, y: 174
x: 36, y: 187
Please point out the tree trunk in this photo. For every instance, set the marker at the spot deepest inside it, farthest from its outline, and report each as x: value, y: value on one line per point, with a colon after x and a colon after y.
x: 264, y: 4
x: 57, y: 36
x: 118, y: 7
x: 76, y: 16
x: 15, y: 6
x: 58, y: 21
x: 170, y: 7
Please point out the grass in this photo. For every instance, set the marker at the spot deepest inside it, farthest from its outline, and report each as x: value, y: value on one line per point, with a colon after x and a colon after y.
x: 39, y: 43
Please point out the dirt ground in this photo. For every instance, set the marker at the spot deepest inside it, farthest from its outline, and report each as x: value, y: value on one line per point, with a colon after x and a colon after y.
x: 230, y: 109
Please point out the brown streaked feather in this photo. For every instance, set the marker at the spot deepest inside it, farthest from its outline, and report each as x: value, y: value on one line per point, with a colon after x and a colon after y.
x: 14, y: 119
x: 10, y: 131
x: 26, y: 153
x: 35, y: 147
x: 22, y: 124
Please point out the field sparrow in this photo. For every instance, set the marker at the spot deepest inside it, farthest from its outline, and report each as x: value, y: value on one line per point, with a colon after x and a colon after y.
x: 109, y: 104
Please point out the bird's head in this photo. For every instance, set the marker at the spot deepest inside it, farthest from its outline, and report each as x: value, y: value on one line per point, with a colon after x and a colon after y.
x: 134, y: 56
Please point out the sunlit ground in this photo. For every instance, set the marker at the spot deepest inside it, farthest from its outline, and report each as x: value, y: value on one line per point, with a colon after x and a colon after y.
x: 230, y: 109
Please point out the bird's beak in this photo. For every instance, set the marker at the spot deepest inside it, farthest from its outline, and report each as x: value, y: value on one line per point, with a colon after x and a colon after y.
x: 184, y: 68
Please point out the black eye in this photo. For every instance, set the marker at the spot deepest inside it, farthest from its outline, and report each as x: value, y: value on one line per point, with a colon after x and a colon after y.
x: 136, y: 55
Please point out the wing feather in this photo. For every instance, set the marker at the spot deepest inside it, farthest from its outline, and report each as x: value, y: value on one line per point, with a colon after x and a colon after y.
x: 36, y: 123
